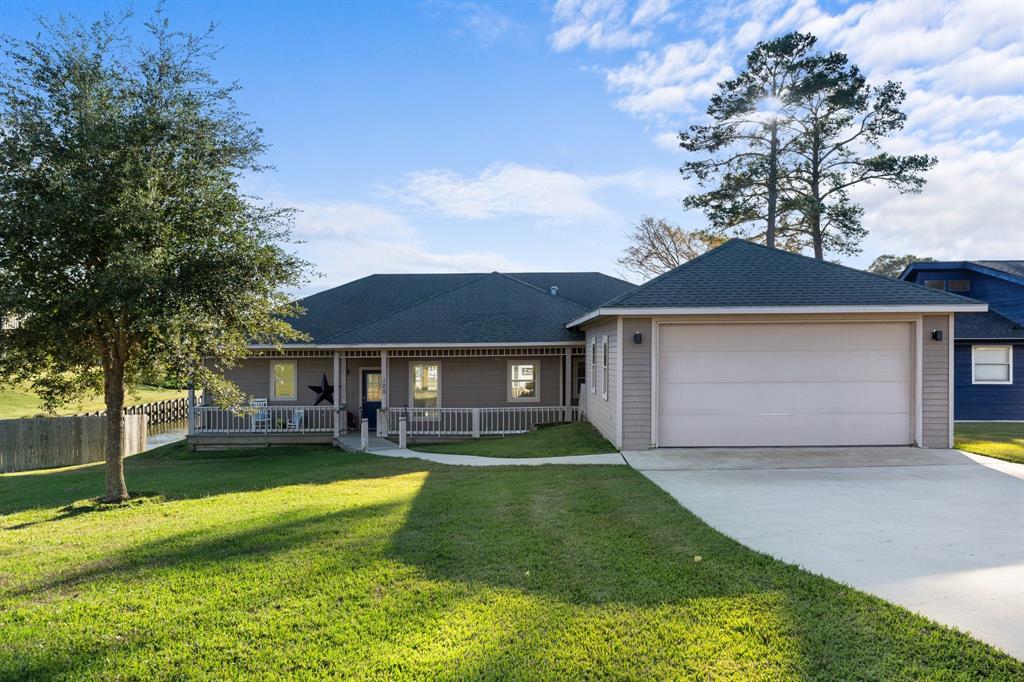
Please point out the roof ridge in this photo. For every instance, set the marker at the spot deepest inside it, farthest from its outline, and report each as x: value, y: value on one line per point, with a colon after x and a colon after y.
x: 408, y: 307
x: 627, y: 294
x: 538, y: 289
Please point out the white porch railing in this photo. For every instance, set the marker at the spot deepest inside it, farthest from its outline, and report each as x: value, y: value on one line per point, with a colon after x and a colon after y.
x: 472, y: 422
x: 259, y: 419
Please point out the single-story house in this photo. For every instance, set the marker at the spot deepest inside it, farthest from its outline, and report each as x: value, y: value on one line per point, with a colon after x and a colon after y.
x: 988, y: 352
x: 742, y: 346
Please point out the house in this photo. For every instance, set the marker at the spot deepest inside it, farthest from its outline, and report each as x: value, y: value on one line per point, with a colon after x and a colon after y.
x: 455, y: 354
x: 988, y: 346
x: 744, y: 345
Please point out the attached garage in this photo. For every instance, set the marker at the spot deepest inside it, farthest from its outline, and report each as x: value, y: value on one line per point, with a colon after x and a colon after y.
x: 750, y: 346
x: 785, y: 384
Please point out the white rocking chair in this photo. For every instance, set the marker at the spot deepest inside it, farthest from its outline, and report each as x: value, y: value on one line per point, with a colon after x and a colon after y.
x: 295, y: 422
x: 261, y: 415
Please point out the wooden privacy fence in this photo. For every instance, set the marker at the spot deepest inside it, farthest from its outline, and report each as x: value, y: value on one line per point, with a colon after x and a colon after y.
x: 159, y: 412
x: 46, y: 442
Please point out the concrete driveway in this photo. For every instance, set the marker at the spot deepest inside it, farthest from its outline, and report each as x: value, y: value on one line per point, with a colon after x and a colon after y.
x: 937, y: 531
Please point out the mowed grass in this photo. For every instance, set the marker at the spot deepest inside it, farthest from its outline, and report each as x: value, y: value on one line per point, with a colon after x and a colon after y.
x: 310, y: 562
x: 17, y: 402
x: 578, y: 438
x: 1003, y: 440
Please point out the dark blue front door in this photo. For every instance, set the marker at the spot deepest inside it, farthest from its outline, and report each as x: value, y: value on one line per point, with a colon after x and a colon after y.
x: 371, y: 396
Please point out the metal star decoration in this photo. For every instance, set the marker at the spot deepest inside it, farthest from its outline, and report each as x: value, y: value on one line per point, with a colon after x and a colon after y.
x: 324, y: 392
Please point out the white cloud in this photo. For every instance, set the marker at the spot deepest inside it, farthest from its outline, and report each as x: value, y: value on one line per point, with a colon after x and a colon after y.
x: 517, y: 190
x: 606, y: 24
x: 348, y: 240
x: 483, y: 22
x: 972, y: 207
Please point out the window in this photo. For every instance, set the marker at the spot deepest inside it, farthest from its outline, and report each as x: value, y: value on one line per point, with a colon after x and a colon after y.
x: 282, y: 380
x: 604, y: 367
x: 523, y: 378
x: 992, y: 364
x: 592, y: 379
x: 935, y: 283
x: 959, y: 285
x: 425, y: 384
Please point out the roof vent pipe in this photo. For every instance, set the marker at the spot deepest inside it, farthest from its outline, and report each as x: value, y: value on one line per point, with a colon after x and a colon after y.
x: 554, y: 291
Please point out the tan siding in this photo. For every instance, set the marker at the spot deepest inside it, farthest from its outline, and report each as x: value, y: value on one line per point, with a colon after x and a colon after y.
x: 252, y: 376
x: 636, y: 385
x: 603, y: 414
x: 935, y: 383
x: 478, y: 381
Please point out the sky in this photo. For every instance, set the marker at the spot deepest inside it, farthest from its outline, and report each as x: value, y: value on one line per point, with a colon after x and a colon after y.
x: 475, y: 136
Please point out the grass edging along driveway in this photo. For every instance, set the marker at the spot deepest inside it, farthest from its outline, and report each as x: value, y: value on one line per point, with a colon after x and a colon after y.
x: 308, y: 561
x: 1002, y: 440
x: 577, y: 438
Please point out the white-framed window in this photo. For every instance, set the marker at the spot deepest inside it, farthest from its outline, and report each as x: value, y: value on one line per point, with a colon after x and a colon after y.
x: 592, y: 379
x: 283, y: 380
x: 604, y: 367
x: 523, y: 382
x: 992, y: 364
x: 425, y: 384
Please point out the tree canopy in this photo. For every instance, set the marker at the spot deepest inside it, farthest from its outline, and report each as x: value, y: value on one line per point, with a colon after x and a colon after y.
x: 657, y: 246
x: 891, y: 265
x: 788, y: 139
x: 126, y: 244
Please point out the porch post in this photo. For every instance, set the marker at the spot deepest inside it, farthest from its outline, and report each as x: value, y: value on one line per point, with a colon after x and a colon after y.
x: 567, y: 385
x: 337, y: 396
x: 341, y: 389
x: 385, y: 391
x: 191, y: 403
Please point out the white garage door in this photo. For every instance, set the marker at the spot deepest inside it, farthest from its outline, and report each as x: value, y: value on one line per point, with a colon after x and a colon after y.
x: 784, y: 384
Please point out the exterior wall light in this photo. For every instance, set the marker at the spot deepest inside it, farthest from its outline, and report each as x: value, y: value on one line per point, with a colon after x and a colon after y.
x: 936, y: 335
x: 638, y: 337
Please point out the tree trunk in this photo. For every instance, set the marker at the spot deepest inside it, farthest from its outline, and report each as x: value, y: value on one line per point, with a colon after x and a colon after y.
x: 113, y: 396
x: 816, y: 237
x: 773, y: 189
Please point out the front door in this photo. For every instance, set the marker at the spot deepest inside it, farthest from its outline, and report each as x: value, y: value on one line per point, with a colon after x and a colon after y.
x: 371, y: 396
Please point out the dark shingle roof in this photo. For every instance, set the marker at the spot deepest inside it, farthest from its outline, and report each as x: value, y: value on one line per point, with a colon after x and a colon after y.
x: 741, y: 274
x: 356, y: 303
x: 987, y: 325
x: 331, y: 313
x: 1010, y: 267
x: 589, y: 289
x: 493, y: 308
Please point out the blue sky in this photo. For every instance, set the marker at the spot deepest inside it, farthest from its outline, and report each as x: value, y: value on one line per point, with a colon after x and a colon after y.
x: 471, y: 136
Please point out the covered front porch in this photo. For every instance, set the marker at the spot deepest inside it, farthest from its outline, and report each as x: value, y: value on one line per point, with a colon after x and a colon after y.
x: 317, y: 395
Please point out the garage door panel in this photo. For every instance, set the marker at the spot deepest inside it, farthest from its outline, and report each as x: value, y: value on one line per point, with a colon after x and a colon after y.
x: 753, y: 366
x: 786, y: 337
x: 785, y: 398
x: 784, y: 384
x: 790, y: 430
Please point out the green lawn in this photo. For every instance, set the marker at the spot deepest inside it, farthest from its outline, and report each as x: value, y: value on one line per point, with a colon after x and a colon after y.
x: 579, y: 438
x: 17, y: 402
x: 310, y: 562
x: 1004, y: 440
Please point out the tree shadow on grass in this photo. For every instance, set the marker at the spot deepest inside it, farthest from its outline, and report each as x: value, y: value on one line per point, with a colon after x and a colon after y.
x: 607, y: 537
x: 174, y: 472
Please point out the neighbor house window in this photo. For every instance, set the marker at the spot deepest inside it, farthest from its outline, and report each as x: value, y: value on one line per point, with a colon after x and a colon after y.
x: 604, y: 367
x: 283, y: 380
x: 523, y: 378
x: 935, y: 283
x: 992, y: 364
x: 425, y: 384
x: 592, y: 379
x: 959, y: 285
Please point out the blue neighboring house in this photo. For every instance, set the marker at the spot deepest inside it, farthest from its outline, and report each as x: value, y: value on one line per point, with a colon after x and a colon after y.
x: 989, y: 346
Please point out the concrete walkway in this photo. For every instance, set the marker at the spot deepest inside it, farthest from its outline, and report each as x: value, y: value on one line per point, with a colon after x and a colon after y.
x: 940, y: 532
x: 385, y: 448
